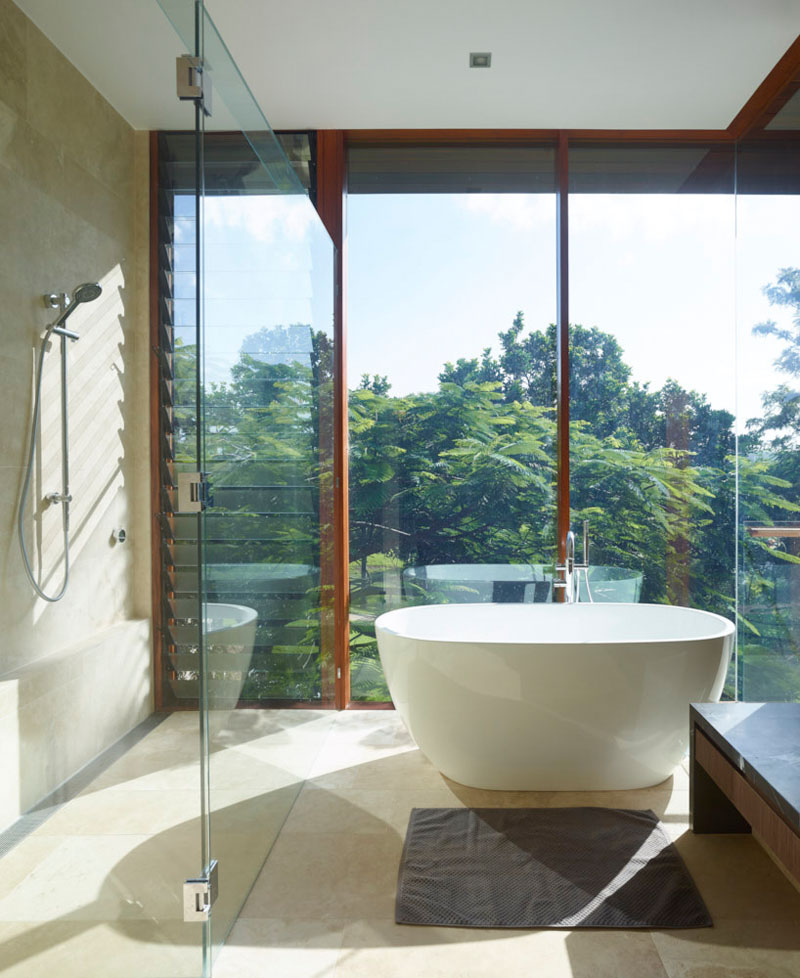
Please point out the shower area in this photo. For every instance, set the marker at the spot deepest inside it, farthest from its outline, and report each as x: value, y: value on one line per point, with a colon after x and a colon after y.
x: 174, y: 316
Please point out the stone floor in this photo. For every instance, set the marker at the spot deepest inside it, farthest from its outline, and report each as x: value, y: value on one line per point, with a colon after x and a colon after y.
x: 323, y: 904
x: 95, y: 891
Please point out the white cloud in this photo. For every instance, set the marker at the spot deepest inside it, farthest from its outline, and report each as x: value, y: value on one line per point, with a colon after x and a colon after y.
x: 522, y: 212
x: 263, y: 218
x: 652, y: 217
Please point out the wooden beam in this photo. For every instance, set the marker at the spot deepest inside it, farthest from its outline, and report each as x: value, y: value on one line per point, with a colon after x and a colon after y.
x: 770, y: 96
x: 647, y: 135
x: 356, y: 137
x: 331, y: 203
x: 494, y: 137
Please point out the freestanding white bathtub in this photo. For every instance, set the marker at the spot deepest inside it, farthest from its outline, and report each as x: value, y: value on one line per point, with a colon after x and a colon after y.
x: 553, y: 697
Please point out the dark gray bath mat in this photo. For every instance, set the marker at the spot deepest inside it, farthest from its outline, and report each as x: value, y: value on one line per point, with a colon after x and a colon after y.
x: 543, y: 867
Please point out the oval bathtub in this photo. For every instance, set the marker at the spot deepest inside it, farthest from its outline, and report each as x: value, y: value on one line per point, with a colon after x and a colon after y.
x: 553, y: 697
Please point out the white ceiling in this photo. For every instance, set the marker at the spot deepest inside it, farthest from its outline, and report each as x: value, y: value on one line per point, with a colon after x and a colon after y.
x: 629, y: 64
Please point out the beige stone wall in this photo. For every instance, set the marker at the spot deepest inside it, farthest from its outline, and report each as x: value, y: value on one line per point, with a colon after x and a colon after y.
x: 73, y: 208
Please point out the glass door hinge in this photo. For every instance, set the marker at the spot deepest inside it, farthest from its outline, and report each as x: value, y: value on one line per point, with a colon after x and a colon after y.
x: 193, y: 81
x: 193, y: 494
x: 199, y: 895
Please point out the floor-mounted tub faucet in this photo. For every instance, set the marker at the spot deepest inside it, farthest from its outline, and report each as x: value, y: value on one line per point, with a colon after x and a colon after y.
x: 567, y: 582
x: 570, y: 582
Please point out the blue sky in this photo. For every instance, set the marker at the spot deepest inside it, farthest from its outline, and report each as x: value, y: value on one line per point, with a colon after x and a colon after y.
x: 677, y: 279
x: 435, y: 278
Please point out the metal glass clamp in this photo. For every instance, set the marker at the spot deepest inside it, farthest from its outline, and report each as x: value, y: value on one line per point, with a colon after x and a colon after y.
x: 193, y: 81
x: 199, y: 895
x: 192, y: 492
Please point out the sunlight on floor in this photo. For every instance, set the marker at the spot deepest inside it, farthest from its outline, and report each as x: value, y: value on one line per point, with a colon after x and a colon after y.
x: 101, y: 878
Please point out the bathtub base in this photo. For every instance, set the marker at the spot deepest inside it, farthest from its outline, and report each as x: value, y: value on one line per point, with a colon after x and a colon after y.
x: 612, y: 778
x: 505, y: 697
x: 505, y: 756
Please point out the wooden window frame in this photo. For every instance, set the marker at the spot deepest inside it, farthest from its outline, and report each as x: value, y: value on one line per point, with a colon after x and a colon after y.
x: 331, y: 201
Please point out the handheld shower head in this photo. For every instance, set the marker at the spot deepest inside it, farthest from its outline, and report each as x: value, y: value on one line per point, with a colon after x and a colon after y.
x: 87, y: 292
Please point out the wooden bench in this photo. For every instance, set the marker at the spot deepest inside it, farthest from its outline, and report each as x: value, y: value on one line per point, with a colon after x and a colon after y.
x: 745, y: 774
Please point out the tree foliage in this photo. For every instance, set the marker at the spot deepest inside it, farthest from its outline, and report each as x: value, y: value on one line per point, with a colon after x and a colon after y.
x: 466, y: 474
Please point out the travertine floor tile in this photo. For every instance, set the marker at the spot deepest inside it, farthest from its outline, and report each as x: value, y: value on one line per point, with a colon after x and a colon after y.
x: 328, y: 876
x: 106, y: 878
x: 124, y: 812
x: 341, y: 753
x: 375, y: 727
x: 270, y: 729
x: 97, y: 882
x: 378, y: 947
x: 353, y: 811
x: 146, y: 770
x: 737, y: 879
x: 732, y: 949
x: 292, y: 761
x: 78, y: 949
x: 283, y: 948
x: 23, y: 859
x: 396, y: 769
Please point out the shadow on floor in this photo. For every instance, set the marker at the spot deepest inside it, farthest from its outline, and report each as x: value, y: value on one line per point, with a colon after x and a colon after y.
x: 139, y: 896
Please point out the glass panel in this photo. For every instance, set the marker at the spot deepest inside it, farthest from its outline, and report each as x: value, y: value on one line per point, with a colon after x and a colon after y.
x: 451, y: 300
x: 263, y: 426
x: 236, y: 108
x: 268, y: 545
x: 652, y: 391
x: 768, y: 314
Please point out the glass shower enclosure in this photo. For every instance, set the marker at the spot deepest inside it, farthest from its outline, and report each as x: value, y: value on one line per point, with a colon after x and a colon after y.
x: 248, y: 550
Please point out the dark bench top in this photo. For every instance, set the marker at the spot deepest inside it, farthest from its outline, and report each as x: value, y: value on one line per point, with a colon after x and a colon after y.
x: 762, y: 740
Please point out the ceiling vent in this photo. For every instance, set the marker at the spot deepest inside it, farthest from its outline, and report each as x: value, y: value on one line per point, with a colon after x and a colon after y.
x: 480, y: 59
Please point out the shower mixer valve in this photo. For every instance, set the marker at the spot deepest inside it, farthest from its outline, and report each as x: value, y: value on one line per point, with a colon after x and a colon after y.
x: 58, y: 497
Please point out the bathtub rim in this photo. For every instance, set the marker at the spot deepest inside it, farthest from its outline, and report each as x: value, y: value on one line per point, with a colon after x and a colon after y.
x: 727, y: 629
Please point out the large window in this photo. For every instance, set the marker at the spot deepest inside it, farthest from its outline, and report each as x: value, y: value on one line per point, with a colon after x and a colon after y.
x: 260, y: 397
x: 451, y: 297
x: 684, y: 304
x: 652, y: 362
x: 684, y: 401
x: 768, y: 320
